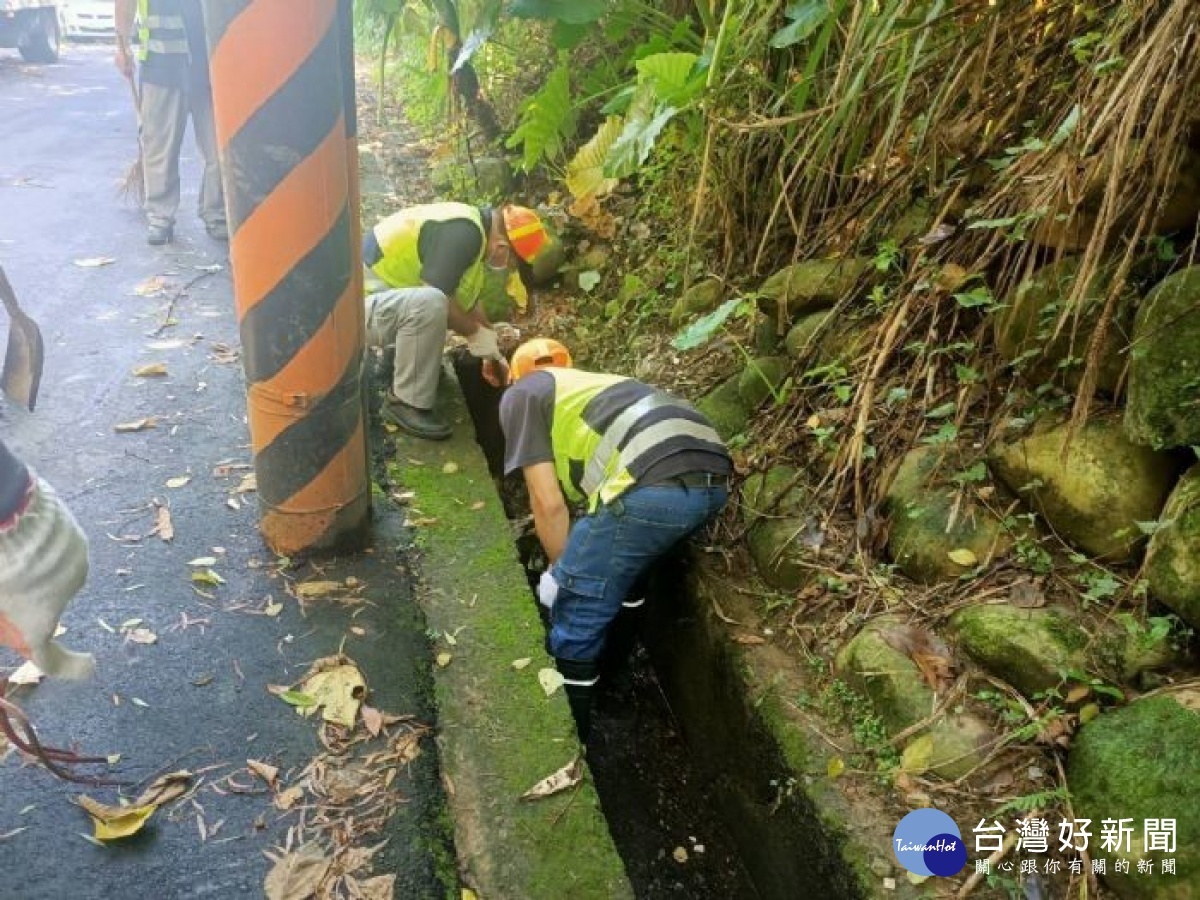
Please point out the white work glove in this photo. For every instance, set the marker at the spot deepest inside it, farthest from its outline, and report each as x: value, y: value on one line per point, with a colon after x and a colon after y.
x: 483, y: 344
x: 43, y: 564
x: 547, y: 590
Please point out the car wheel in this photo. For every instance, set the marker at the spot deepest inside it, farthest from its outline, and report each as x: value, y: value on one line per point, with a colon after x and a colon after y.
x: 41, y: 44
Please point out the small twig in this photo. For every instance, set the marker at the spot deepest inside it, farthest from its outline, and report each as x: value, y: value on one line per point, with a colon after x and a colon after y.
x: 1010, y: 841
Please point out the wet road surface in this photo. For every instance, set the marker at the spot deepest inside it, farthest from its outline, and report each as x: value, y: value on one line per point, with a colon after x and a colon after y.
x: 196, y: 697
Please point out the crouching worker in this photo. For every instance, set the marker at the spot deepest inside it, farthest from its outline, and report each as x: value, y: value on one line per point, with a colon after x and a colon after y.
x: 439, y: 266
x: 649, y: 469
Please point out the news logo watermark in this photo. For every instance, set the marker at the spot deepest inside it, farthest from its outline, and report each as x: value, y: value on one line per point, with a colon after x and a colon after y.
x: 927, y: 842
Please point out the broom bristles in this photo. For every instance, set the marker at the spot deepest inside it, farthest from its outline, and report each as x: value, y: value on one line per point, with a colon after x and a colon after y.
x: 133, y: 186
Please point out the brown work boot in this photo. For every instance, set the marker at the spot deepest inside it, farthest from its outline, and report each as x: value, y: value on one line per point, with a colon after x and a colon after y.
x: 422, y: 423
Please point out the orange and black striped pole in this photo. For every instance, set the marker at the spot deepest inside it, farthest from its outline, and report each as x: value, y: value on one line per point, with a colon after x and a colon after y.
x: 280, y: 91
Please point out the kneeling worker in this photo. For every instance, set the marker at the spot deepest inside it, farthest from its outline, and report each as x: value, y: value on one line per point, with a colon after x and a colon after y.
x: 650, y: 468
x: 442, y: 265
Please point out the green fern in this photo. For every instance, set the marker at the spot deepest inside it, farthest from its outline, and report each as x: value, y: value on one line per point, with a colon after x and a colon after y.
x: 547, y: 120
x: 1042, y: 800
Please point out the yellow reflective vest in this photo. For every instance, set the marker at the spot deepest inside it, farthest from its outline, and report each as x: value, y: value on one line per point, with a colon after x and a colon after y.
x: 161, y: 30
x: 398, y: 236
x: 595, y: 465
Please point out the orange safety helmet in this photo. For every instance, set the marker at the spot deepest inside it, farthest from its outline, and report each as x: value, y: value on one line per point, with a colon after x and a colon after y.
x: 535, y: 354
x: 525, y: 231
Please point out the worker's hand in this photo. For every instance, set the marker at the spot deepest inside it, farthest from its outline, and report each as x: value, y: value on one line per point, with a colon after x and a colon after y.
x: 495, y: 372
x: 482, y: 343
x: 43, y: 564
x: 124, y: 59
x: 547, y: 590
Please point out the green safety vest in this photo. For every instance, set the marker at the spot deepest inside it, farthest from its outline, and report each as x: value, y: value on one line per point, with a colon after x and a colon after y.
x: 398, y: 236
x: 161, y: 33
x: 595, y: 465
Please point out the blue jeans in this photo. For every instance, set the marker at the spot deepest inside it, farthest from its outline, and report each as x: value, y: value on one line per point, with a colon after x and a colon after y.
x: 607, y: 551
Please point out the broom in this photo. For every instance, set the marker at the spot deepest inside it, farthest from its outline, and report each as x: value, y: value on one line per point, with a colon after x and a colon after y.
x: 134, y: 186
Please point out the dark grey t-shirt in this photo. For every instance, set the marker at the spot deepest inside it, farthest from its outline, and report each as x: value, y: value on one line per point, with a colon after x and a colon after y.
x: 527, y: 417
x: 447, y: 249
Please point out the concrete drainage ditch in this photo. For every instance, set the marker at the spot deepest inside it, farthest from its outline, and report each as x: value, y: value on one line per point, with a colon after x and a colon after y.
x: 700, y: 798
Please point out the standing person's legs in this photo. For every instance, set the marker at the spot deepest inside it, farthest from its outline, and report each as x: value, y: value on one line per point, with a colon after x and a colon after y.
x: 605, y: 555
x: 414, y: 321
x: 164, y: 119
x: 212, y: 198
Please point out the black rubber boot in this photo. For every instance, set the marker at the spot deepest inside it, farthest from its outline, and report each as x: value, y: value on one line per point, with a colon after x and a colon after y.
x: 579, y: 681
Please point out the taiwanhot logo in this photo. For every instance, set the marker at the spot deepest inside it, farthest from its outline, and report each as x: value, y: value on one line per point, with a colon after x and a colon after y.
x: 927, y: 842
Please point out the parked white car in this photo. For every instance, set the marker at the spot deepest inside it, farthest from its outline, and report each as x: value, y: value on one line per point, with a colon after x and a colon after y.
x: 87, y: 18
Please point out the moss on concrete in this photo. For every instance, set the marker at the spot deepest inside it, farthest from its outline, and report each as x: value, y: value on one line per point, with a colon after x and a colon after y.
x: 499, y: 733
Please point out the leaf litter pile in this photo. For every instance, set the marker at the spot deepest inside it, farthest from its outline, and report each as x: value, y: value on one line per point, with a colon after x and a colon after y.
x: 336, y: 806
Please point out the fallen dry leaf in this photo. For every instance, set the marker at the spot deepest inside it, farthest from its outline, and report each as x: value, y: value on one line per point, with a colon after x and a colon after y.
x: 166, y: 788
x: 165, y: 528
x: 155, y: 284
x: 26, y: 673
x: 94, y: 262
x: 444, y: 659
x: 286, y: 799
x: 141, y: 636
x: 338, y: 691
x: 378, y: 887
x: 749, y: 640
x: 557, y: 782
x: 521, y: 663
x: 265, y: 771
x: 550, y: 679
x: 373, y: 719
x: 249, y: 483
x: 203, y: 561
x: 151, y: 370
x: 113, y: 822
x: 963, y: 557
x: 450, y: 468
x: 317, y: 588
x: 298, y: 875
x: 136, y: 425
x: 178, y: 481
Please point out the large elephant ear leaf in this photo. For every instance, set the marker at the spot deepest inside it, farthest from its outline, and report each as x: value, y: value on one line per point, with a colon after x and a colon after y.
x: 673, y: 76
x: 585, y: 172
x: 572, y: 12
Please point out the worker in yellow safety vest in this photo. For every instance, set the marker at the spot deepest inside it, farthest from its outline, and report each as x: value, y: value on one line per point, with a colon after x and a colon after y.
x: 646, y: 467
x: 173, y: 76
x: 437, y: 266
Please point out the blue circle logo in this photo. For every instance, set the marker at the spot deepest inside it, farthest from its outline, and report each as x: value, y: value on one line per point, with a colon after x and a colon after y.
x: 927, y: 842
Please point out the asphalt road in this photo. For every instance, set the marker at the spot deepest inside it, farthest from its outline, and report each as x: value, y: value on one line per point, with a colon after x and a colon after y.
x: 197, y: 696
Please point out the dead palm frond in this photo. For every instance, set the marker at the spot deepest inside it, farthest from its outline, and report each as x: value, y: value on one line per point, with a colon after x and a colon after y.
x: 133, y: 187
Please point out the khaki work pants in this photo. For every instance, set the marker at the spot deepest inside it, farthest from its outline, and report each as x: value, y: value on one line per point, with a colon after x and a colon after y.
x: 413, y: 320
x: 165, y: 114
